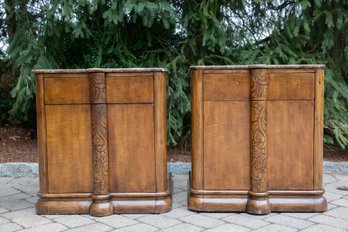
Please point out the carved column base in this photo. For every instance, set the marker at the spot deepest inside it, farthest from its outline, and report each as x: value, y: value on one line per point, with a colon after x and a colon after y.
x: 258, y: 203
x: 101, y: 206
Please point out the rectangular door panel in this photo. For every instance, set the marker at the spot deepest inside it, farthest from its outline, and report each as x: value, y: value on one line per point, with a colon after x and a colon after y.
x: 131, y: 148
x: 67, y: 89
x: 227, y: 86
x: 69, y: 147
x: 227, y: 145
x: 290, y: 145
x: 129, y: 89
x: 291, y: 86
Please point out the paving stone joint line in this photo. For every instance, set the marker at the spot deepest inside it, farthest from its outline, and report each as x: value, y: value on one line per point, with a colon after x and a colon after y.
x: 17, y: 213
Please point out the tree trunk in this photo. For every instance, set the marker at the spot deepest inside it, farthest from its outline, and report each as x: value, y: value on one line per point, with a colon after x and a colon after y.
x: 11, y: 22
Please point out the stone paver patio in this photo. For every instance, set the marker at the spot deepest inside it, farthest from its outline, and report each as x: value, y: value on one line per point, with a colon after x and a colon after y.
x: 17, y: 213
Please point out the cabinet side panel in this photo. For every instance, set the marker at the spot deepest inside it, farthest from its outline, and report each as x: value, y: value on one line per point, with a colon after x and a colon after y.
x: 131, y: 148
x: 318, y: 129
x: 290, y: 145
x: 69, y: 148
x: 227, y: 145
x: 197, y: 129
x: 41, y: 131
x: 160, y: 87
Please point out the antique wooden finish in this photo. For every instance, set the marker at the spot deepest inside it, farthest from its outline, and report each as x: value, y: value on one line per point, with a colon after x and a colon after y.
x: 257, y: 142
x: 102, y: 141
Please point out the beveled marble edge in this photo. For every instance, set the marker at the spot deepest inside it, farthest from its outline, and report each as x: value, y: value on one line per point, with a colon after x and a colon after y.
x: 254, y: 66
x: 106, y: 70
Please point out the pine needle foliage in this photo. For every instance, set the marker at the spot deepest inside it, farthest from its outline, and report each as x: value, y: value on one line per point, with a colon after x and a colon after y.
x: 175, y: 35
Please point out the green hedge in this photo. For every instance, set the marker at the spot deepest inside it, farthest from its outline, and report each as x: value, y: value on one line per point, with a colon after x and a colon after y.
x: 175, y: 35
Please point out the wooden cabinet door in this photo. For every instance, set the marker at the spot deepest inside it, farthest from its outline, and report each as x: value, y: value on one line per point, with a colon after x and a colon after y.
x: 226, y: 145
x: 130, y: 107
x: 68, y: 133
x: 290, y: 120
x: 69, y: 147
x: 131, y: 148
x: 290, y: 145
x: 226, y: 124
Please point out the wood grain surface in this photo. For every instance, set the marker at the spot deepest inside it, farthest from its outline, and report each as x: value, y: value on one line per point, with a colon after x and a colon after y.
x: 69, y: 148
x: 226, y: 145
x: 291, y: 86
x: 197, y: 128
x: 131, y: 147
x: 41, y: 132
x: 318, y: 129
x: 227, y: 86
x: 262, y: 130
x: 75, y: 88
x: 125, y: 89
x: 160, y: 133
x: 290, y: 145
x: 102, y: 138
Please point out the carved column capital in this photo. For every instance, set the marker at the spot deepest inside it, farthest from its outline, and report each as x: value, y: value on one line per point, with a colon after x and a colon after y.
x: 97, y: 88
x: 259, y: 84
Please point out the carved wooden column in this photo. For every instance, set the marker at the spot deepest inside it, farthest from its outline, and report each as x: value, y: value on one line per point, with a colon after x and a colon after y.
x: 258, y: 202
x: 101, y: 205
